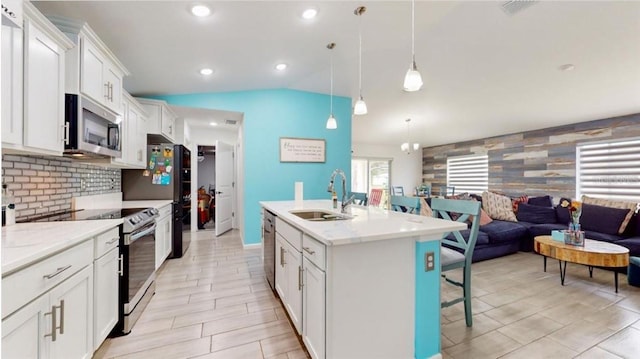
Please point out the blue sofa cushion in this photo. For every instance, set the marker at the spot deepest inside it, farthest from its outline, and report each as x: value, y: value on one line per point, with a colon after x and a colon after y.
x: 545, y: 229
x: 503, y: 231
x: 602, y: 219
x: 536, y: 214
x: 542, y: 201
x: 483, y: 238
x: 605, y: 237
x: 562, y: 211
x: 633, y: 244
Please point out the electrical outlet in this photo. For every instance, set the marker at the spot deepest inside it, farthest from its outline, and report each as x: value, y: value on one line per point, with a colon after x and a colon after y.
x: 429, y: 261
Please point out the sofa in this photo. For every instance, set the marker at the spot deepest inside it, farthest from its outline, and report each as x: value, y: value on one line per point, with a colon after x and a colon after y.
x: 512, y: 229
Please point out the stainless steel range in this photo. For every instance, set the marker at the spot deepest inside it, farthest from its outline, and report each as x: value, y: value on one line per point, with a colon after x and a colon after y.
x: 137, y: 253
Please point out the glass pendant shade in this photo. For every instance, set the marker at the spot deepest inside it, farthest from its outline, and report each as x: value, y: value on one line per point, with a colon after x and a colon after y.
x: 360, y: 107
x: 404, y: 147
x: 413, y: 79
x: 332, y: 124
x: 416, y: 146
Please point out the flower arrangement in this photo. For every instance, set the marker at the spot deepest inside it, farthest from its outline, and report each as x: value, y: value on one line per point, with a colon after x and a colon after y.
x: 575, y: 210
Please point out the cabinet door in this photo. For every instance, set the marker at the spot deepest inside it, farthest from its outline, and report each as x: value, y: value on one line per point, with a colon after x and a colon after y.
x: 168, y: 236
x: 131, y: 141
x: 23, y: 333
x: 125, y: 137
x: 11, y: 85
x: 74, y: 297
x: 141, y: 145
x: 44, y: 91
x: 91, y: 77
x: 105, y: 295
x: 113, y: 88
x: 281, y: 277
x: 293, y: 260
x: 160, y: 243
x: 167, y: 122
x: 313, y: 318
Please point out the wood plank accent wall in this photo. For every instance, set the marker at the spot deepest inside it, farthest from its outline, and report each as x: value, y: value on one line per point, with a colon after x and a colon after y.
x: 532, y: 163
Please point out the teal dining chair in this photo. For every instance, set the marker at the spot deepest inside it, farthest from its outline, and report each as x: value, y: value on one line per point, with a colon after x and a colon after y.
x: 452, y: 259
x: 360, y: 198
x: 405, y: 204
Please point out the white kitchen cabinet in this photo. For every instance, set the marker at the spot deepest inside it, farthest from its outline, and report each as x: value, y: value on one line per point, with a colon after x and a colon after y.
x: 137, y: 153
x: 99, y: 78
x: 58, y: 324
x: 280, y: 281
x: 160, y: 119
x: 164, y: 234
x: 289, y: 275
x: 313, y: 304
x: 11, y: 85
x: 106, y: 276
x: 12, y: 13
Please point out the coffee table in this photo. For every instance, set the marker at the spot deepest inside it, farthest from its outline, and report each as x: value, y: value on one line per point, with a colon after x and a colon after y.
x: 593, y: 254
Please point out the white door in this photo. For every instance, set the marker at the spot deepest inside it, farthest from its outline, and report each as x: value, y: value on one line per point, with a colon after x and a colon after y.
x: 224, y: 187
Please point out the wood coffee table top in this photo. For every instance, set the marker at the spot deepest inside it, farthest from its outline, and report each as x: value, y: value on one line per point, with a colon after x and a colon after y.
x: 594, y: 253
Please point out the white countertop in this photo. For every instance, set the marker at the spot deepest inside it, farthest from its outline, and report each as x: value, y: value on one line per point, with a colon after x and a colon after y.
x: 368, y: 223
x: 146, y: 203
x: 26, y: 243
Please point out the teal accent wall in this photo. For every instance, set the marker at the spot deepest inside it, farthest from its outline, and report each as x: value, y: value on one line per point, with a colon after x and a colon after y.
x: 269, y: 115
x: 427, y: 320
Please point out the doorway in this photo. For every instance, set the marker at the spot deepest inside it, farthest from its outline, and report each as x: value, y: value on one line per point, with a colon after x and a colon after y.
x: 371, y: 173
x: 206, y: 187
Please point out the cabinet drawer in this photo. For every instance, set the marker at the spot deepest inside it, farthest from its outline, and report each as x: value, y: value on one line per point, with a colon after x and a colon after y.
x: 290, y: 233
x: 164, y: 211
x: 106, y: 241
x: 21, y: 287
x: 314, y: 251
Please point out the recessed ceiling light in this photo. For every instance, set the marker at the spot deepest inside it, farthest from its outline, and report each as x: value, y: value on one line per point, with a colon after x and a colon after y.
x: 206, y: 72
x: 309, y: 13
x: 281, y: 67
x: 213, y: 124
x: 567, y: 67
x: 200, y: 10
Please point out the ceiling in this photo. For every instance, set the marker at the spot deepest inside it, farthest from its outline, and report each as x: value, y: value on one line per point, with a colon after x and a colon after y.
x: 486, y: 72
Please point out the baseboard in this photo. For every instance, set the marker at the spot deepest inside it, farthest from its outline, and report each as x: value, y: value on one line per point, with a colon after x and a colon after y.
x: 252, y: 246
x: 437, y: 356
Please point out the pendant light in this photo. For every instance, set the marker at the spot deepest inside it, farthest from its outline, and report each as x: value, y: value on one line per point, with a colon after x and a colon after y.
x: 413, y: 79
x: 360, y: 107
x: 406, y: 147
x: 332, y: 124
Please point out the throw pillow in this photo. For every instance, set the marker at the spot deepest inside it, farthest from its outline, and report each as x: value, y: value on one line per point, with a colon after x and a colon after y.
x: 562, y: 211
x: 542, y: 201
x: 498, y: 207
x: 536, y: 214
x: 484, y: 218
x: 631, y: 206
x: 602, y: 219
x: 516, y: 201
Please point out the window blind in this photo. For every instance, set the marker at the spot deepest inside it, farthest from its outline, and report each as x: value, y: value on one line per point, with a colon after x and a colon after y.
x: 468, y: 173
x: 609, y: 170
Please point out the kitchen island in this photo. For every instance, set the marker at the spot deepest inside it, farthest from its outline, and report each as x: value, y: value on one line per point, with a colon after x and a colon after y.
x: 359, y: 287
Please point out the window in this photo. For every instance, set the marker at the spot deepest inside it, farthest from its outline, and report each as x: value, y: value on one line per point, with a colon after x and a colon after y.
x: 367, y: 173
x: 468, y: 173
x: 609, y: 170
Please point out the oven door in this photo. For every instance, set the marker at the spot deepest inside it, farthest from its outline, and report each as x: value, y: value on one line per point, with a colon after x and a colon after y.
x: 141, y: 248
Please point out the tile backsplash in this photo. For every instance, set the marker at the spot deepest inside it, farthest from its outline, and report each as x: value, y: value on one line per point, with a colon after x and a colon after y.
x: 46, y: 184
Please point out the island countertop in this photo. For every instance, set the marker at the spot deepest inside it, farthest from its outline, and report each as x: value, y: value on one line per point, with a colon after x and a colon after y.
x: 367, y: 224
x: 27, y: 243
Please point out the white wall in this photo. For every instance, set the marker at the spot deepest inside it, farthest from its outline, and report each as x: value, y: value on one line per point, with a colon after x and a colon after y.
x: 406, y: 169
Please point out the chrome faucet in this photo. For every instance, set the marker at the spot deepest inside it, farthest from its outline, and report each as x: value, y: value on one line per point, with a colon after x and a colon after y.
x: 331, y: 188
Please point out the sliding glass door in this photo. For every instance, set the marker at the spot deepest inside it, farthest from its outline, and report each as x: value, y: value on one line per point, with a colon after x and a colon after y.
x: 371, y: 173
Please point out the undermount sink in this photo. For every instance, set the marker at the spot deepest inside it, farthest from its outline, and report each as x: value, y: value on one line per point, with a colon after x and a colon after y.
x: 319, y: 215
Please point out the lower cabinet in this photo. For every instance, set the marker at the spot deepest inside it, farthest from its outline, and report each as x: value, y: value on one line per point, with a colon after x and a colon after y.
x: 313, y: 309
x: 289, y: 280
x: 164, y: 235
x: 57, y: 324
x: 106, y: 271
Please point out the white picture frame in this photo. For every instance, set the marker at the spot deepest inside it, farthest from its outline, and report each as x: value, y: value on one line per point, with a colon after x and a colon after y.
x: 294, y: 149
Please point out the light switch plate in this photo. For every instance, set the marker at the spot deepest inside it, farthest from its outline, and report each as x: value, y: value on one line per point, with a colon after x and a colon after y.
x: 429, y: 261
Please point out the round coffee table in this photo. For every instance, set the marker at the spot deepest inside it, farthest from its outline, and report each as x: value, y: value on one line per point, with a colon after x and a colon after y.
x: 593, y: 254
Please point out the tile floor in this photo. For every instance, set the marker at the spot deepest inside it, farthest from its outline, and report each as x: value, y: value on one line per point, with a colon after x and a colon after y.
x: 215, y: 303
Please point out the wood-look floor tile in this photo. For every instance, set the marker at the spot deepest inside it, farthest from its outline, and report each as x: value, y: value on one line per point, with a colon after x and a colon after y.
x: 245, y: 351
x: 625, y: 343
x: 186, y: 349
x: 264, y: 304
x: 208, y: 315
x: 530, y: 329
x: 151, y: 326
x: 242, y: 298
x: 174, y: 311
x: 613, y: 317
x: 132, y: 344
x: 219, y: 293
x: 597, y: 353
x: 458, y: 331
x: 489, y: 345
x: 165, y: 293
x: 542, y: 349
x: 249, y: 334
x: 160, y: 302
x: 280, y: 344
x: 581, y: 335
x: 298, y: 354
x: 221, y: 325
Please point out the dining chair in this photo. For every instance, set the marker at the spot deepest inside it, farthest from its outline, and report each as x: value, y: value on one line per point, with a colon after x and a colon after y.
x: 375, y: 197
x: 397, y: 191
x: 405, y: 204
x: 424, y: 190
x: 360, y: 198
x: 447, y: 191
x: 453, y: 259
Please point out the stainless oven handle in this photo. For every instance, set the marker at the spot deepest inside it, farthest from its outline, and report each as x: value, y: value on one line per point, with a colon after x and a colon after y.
x: 139, y: 235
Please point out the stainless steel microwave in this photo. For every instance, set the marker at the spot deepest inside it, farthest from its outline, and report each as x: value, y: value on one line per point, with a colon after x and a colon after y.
x: 93, y: 130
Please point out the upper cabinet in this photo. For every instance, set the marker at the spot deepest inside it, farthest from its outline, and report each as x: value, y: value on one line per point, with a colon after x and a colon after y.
x: 92, y: 69
x: 33, y: 59
x: 12, y: 13
x: 161, y: 120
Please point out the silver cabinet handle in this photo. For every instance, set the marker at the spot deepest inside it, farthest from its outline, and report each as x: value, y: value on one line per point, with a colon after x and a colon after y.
x: 300, y: 284
x: 170, y: 129
x: 106, y: 90
x: 58, y: 271
x: 121, y: 265
x: 66, y: 133
x: 111, y: 91
x: 61, y: 306
x: 112, y: 240
x: 282, y: 252
x: 52, y: 313
x: 308, y: 250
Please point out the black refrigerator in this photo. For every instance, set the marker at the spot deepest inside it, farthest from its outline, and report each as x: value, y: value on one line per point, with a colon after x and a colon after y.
x: 166, y: 176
